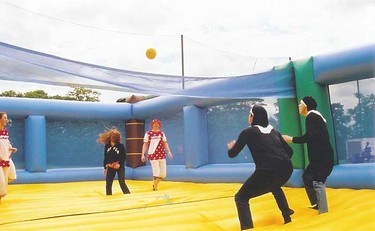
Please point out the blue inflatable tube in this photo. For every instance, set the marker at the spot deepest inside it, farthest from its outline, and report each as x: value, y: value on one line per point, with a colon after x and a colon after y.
x: 345, y: 66
x: 357, y: 176
x: 171, y: 104
x: 65, y: 110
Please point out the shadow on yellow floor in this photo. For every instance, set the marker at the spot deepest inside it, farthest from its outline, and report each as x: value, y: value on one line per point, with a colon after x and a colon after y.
x: 176, y: 206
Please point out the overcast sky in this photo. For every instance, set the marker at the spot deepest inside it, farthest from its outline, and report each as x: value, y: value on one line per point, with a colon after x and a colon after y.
x: 221, y: 38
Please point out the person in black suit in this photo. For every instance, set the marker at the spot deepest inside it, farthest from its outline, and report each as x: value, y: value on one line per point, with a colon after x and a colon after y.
x: 273, y: 169
x: 320, y: 153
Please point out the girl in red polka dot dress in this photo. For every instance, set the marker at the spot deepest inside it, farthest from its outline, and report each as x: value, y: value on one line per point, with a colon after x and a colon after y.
x: 155, y: 143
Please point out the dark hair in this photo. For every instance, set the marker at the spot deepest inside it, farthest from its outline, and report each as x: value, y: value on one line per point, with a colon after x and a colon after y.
x: 2, y: 113
x: 310, y: 103
x: 260, y: 116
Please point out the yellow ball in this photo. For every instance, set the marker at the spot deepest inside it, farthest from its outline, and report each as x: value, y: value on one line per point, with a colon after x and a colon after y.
x: 151, y: 53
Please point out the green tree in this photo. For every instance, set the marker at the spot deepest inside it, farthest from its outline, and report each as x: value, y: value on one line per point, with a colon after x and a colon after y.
x: 77, y: 94
x: 363, y: 116
x: 11, y: 93
x: 36, y: 94
x: 341, y: 120
x: 342, y: 129
x: 84, y: 94
x: 62, y: 97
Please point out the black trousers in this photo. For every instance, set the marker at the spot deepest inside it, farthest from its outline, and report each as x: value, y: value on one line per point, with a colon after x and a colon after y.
x: 259, y: 183
x: 316, y: 172
x: 111, y: 173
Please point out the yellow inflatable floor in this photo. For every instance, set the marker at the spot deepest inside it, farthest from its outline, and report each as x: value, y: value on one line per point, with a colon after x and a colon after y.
x: 176, y: 206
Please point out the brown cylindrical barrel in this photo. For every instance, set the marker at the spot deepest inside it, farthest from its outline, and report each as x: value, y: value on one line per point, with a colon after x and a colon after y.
x: 135, y: 130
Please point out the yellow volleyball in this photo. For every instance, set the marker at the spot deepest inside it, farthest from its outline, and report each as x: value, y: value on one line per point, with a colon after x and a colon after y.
x: 151, y: 53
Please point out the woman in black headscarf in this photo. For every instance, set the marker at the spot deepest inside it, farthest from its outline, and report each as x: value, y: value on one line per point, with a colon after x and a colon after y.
x: 271, y: 156
x: 320, y: 153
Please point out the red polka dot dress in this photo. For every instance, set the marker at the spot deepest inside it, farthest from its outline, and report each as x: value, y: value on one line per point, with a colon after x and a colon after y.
x: 155, y: 140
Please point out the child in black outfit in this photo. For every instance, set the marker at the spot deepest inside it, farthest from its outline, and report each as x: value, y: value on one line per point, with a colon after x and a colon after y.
x: 114, y: 159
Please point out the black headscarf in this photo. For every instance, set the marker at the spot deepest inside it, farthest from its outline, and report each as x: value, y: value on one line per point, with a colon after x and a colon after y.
x: 260, y: 116
x: 310, y: 103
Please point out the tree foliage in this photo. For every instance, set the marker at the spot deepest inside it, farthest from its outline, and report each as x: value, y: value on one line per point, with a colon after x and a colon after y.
x: 342, y: 129
x: 84, y: 94
x: 36, y: 94
x: 76, y: 94
x: 11, y: 93
x: 357, y: 122
x: 362, y: 115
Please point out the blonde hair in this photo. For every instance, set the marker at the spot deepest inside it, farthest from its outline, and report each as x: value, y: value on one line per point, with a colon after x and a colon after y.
x: 109, y: 134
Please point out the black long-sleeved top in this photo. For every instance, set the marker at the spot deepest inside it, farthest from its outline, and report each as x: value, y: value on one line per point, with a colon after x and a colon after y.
x: 317, y: 139
x: 116, y: 153
x: 269, y: 150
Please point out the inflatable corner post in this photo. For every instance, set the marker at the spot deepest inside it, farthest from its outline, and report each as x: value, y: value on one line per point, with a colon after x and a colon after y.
x: 196, y: 141
x: 306, y: 86
x: 289, y: 124
x: 35, y: 143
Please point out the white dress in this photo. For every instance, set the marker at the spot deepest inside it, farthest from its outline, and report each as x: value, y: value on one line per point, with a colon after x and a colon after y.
x: 5, y: 172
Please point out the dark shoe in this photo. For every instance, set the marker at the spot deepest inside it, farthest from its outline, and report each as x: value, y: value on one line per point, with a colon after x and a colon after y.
x: 154, y: 189
x: 291, y: 212
x: 287, y: 218
x: 311, y: 194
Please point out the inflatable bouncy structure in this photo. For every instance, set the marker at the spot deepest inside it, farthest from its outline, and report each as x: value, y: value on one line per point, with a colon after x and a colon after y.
x: 187, y: 112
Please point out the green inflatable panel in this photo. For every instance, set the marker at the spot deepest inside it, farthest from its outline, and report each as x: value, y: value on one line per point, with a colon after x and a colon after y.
x: 289, y: 124
x: 306, y: 86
